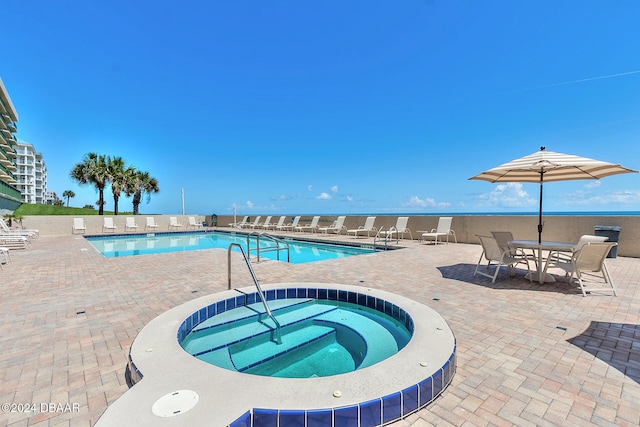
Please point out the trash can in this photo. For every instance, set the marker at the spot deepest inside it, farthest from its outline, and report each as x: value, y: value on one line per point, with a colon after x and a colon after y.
x: 613, y: 234
x: 214, y: 220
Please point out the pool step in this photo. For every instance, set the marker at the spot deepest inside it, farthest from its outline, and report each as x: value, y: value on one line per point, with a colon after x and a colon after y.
x: 257, y: 327
x: 378, y: 342
x: 267, y: 355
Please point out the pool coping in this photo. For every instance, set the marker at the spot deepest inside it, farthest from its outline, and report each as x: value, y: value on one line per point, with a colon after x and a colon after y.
x: 226, y: 396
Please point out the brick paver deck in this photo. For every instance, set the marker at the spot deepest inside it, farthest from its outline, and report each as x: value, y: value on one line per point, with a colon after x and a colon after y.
x: 528, y: 354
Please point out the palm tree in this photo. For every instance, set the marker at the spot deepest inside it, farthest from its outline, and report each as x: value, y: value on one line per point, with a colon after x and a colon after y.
x: 120, y: 178
x: 140, y: 183
x: 69, y: 195
x: 93, y: 170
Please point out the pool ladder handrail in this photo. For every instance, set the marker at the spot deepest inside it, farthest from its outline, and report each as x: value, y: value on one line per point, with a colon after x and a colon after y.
x: 278, y: 335
x: 271, y: 237
x: 388, y: 236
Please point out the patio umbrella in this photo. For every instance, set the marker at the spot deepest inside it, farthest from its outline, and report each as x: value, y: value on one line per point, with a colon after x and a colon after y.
x: 547, y: 166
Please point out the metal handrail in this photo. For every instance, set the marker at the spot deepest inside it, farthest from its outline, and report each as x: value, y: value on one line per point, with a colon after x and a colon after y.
x: 278, y: 336
x: 388, y: 235
x: 269, y: 237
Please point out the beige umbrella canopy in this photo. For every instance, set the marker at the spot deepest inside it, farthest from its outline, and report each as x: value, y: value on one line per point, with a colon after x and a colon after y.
x: 547, y: 166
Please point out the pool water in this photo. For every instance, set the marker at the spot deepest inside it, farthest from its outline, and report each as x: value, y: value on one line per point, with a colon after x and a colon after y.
x: 299, y: 251
x: 319, y: 338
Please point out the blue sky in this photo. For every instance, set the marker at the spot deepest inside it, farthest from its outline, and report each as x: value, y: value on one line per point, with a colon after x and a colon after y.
x: 355, y: 107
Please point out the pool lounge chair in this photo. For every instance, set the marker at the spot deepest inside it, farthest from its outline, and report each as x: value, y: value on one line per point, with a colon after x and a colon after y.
x: 130, y: 224
x: 13, y: 241
x: 78, y: 225
x: 400, y: 229
x: 266, y: 223
x: 7, y: 255
x: 173, y: 223
x: 366, y: 228
x: 311, y: 227
x: 108, y: 225
x: 443, y: 230
x: 336, y: 227
x: 151, y: 224
x: 31, y: 234
x: 292, y: 226
x: 277, y: 225
x: 239, y: 224
x: 252, y: 224
x: 193, y: 223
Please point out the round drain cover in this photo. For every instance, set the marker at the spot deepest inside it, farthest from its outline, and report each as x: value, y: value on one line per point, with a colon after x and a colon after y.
x: 175, y: 403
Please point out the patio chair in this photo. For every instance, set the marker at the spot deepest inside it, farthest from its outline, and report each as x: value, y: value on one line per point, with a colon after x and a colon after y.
x: 266, y: 223
x: 130, y: 224
x: 239, y: 224
x: 400, y: 229
x: 493, y: 254
x: 277, y: 225
x: 292, y: 226
x: 173, y: 223
x: 442, y: 230
x: 504, y: 237
x: 31, y: 234
x: 589, y: 262
x: 311, y: 227
x: 336, y: 227
x: 13, y: 241
x: 566, y: 257
x: 78, y: 225
x: 193, y: 223
x: 151, y: 224
x: 367, y: 227
x: 252, y: 224
x: 108, y: 225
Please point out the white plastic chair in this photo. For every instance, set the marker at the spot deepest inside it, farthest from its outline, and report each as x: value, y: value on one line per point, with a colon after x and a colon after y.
x: 588, y: 263
x: 78, y: 225
x: 495, y: 255
x: 130, y: 224
x: 367, y: 227
x: 337, y: 226
x: 108, y: 225
x: 400, y: 229
x: 173, y: 223
x: 151, y: 224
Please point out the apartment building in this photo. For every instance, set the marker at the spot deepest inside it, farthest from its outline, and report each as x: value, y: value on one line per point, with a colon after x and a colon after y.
x: 10, y: 196
x: 31, y: 173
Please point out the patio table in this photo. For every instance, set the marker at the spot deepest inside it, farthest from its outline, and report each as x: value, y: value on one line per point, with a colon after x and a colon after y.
x: 541, y: 276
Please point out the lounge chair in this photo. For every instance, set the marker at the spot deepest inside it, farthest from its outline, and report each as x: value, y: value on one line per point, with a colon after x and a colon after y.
x: 493, y: 254
x: 443, y: 230
x: 311, y: 227
x: 293, y: 225
x: 108, y: 225
x: 252, y: 224
x: 277, y: 225
x: 193, y: 223
x: 266, y: 223
x: 239, y: 224
x: 173, y: 223
x: 12, y: 241
x: 366, y: 228
x: 336, y: 227
x: 151, y: 224
x: 31, y: 234
x: 400, y: 229
x: 78, y: 225
x: 588, y: 261
x: 130, y: 224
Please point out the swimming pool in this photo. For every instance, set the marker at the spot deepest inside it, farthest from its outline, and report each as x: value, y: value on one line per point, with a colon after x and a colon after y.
x: 155, y: 243
x: 183, y: 390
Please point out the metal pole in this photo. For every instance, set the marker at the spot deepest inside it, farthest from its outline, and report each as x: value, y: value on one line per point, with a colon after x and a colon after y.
x: 540, y: 225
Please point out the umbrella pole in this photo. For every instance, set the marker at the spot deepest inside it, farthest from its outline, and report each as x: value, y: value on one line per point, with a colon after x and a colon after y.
x: 540, y: 226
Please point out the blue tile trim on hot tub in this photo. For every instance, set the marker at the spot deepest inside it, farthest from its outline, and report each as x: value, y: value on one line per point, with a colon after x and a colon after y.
x: 371, y: 413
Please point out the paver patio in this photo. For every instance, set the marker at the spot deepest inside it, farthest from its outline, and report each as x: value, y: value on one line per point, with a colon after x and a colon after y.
x: 528, y: 354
